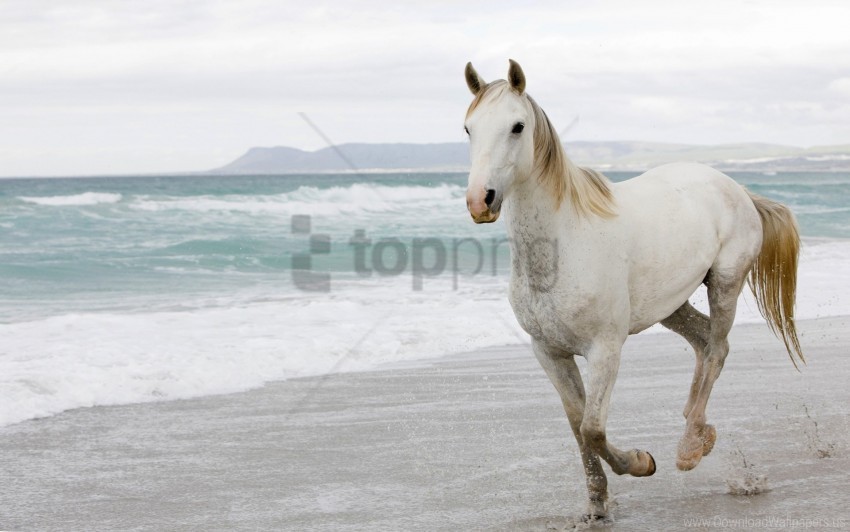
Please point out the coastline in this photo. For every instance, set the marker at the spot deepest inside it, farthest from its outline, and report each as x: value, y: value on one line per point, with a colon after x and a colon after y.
x: 472, y: 441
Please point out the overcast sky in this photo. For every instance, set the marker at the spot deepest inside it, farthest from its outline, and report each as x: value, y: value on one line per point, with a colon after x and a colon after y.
x: 93, y: 87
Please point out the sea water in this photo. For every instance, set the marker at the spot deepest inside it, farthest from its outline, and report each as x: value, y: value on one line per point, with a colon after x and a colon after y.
x: 129, y: 289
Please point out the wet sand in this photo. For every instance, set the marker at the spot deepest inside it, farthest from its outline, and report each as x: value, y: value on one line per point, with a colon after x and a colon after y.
x: 473, y: 441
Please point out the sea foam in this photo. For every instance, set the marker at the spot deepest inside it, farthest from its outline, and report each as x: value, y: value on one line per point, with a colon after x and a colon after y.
x: 86, y: 359
x: 357, y: 198
x: 86, y: 198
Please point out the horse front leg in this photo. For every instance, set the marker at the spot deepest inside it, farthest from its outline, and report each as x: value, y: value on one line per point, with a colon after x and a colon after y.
x: 564, y: 374
x: 603, y: 360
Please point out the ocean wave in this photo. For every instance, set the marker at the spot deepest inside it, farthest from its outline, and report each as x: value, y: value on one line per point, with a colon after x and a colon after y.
x: 359, y: 198
x: 77, y: 360
x: 818, y: 209
x: 88, y: 359
x: 86, y: 198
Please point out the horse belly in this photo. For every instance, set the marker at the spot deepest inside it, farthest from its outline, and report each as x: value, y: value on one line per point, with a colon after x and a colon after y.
x: 657, y: 304
x: 672, y: 252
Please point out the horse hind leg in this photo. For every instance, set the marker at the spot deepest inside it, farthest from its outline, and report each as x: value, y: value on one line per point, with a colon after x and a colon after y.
x: 724, y: 287
x: 694, y: 326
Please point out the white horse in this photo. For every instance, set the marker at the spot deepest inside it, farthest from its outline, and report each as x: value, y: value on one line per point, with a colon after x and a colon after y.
x: 595, y: 261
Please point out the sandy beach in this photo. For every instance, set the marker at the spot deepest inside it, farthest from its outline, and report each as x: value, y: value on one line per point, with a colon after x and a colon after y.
x: 473, y: 441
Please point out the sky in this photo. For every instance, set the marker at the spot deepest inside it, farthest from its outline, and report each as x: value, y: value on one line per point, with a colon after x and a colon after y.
x: 104, y: 87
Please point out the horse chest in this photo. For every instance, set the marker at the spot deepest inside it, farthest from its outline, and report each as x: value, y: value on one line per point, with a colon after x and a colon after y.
x: 546, y: 317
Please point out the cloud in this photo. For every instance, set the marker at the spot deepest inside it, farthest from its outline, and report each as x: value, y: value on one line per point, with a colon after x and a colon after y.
x: 155, y: 86
x: 840, y: 86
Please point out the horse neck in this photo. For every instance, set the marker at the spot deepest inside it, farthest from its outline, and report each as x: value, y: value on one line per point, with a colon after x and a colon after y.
x: 533, y: 214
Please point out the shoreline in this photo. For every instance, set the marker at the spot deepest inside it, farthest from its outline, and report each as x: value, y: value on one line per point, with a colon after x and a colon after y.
x: 471, y: 441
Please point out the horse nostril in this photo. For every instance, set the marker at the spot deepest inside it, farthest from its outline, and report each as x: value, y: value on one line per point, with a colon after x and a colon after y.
x: 491, y: 195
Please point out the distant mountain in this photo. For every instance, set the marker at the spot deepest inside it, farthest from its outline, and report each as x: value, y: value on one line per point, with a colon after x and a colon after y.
x: 625, y: 155
x: 350, y: 157
x: 742, y: 157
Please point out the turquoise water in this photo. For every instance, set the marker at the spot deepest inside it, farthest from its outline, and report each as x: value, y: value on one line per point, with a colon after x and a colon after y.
x: 120, y: 290
x: 172, y: 242
x: 121, y: 243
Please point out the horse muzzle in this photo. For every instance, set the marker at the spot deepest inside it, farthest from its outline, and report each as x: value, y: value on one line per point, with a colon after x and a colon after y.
x: 483, y: 205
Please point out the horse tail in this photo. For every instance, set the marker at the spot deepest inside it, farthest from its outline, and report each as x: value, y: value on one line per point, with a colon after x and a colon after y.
x: 773, y: 278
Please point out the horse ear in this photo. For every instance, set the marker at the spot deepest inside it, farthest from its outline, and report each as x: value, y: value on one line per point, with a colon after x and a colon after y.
x: 474, y: 82
x: 516, y: 77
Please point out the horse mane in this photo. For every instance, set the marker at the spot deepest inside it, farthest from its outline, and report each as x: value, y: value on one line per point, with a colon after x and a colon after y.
x: 589, y: 190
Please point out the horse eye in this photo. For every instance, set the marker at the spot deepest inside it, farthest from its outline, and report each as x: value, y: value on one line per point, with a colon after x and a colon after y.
x: 518, y: 127
x: 466, y: 129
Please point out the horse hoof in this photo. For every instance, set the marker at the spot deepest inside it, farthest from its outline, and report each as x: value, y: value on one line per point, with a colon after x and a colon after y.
x: 687, y: 464
x: 647, y: 464
x: 690, y: 453
x: 651, y: 468
x: 709, y: 436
